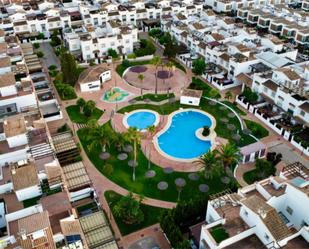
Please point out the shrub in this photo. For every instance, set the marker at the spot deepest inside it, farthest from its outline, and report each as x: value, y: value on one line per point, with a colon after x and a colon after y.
x: 128, y: 210
x: 155, y: 32
x: 250, y: 96
x: 40, y: 54
x: 146, y: 48
x: 36, y: 45
x: 131, y: 56
x: 52, y: 67
x: 113, y: 53
x: 53, y: 73
x: 206, y: 131
x: 108, y: 169
x: 63, y: 128
x: 41, y: 36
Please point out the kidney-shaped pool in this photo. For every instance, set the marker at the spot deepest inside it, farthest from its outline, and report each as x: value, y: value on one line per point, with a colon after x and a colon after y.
x: 179, y: 140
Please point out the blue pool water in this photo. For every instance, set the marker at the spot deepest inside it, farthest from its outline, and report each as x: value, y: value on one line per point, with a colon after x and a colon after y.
x: 180, y: 141
x: 298, y: 181
x: 141, y: 120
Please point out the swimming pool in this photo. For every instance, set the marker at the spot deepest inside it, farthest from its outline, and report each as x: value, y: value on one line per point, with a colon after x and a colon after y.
x: 179, y: 140
x: 141, y: 119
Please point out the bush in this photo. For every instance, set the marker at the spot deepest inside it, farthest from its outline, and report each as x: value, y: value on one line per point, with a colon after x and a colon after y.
x: 53, y: 73
x: 146, y: 48
x: 155, y: 32
x: 250, y: 96
x: 55, y: 40
x: 36, y: 45
x: 131, y: 56
x: 40, y: 54
x: 113, y: 53
x: 41, y: 36
x: 108, y: 169
x: 128, y: 210
x: 63, y: 128
x: 206, y: 131
x: 52, y: 67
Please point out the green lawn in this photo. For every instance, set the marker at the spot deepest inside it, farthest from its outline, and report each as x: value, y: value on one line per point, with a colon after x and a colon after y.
x: 251, y: 176
x: 208, y: 91
x: 257, y: 130
x: 219, y: 234
x: 77, y: 117
x: 214, y: 110
x: 122, y: 174
x: 155, y: 98
x: 235, y: 108
x: 151, y: 214
x: 120, y: 68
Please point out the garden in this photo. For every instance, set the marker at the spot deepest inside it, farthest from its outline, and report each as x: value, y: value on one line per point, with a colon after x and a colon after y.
x: 113, y: 156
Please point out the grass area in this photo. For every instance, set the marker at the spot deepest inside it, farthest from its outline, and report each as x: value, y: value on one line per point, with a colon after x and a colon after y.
x: 251, y: 176
x: 31, y: 202
x: 122, y: 174
x: 155, y: 98
x: 214, y: 110
x: 208, y: 91
x: 219, y: 234
x: 121, y: 68
x: 235, y: 108
x: 257, y: 130
x: 151, y: 214
x: 77, y: 117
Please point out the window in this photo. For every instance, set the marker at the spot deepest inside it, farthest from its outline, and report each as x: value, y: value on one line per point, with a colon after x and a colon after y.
x: 246, y: 213
x: 289, y: 210
x: 266, y: 237
x: 304, y: 223
x: 302, y: 113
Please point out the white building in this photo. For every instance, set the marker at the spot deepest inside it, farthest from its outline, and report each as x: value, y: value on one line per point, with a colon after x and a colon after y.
x: 93, y: 78
x: 271, y: 213
x: 191, y: 97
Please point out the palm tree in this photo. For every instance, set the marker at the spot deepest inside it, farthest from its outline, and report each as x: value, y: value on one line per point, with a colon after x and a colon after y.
x: 92, y: 123
x: 141, y: 78
x: 89, y: 107
x: 210, y: 163
x: 170, y: 66
x: 133, y: 136
x: 229, y: 154
x: 81, y: 104
x: 99, y: 136
x: 156, y: 61
x: 151, y: 129
x: 119, y: 140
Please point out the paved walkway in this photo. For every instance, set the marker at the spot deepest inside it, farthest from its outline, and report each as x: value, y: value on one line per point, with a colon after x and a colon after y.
x: 49, y: 56
x: 241, y: 170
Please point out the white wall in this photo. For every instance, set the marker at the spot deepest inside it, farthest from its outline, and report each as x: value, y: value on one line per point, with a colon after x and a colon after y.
x: 189, y: 100
x: 21, y: 101
x: 28, y: 193
x: 8, y: 90
x: 81, y: 194
x: 13, y: 156
x: 90, y: 86
x: 24, y: 213
x: 17, y: 140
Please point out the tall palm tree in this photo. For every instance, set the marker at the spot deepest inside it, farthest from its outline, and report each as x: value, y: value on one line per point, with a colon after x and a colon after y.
x: 170, y: 67
x: 210, y: 163
x: 141, y: 78
x: 133, y: 136
x: 119, y: 140
x: 156, y: 61
x: 229, y: 154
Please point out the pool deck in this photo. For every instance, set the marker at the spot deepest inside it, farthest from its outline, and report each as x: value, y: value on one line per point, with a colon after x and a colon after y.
x: 150, y: 151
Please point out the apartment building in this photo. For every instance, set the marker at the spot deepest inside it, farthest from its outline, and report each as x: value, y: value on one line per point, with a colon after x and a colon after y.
x: 267, y: 214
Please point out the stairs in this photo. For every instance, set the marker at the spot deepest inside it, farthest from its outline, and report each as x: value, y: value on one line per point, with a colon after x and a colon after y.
x: 41, y: 150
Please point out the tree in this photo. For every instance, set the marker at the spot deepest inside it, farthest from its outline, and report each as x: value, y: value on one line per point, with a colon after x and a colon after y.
x: 81, y: 104
x: 119, y: 140
x: 170, y: 66
x: 214, y: 93
x: 146, y: 48
x: 156, y: 61
x: 210, y: 163
x: 99, y: 137
x: 228, y: 95
x: 40, y: 54
x: 65, y: 91
x: 151, y: 129
x: 55, y: 40
x: 229, y: 154
x: 133, y: 136
x: 250, y: 96
x: 129, y: 210
x: 89, y: 108
x: 171, y: 49
x: 92, y: 123
x: 41, y: 36
x: 68, y: 67
x: 265, y: 168
x: 141, y: 78
x: 113, y: 53
x: 198, y: 66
